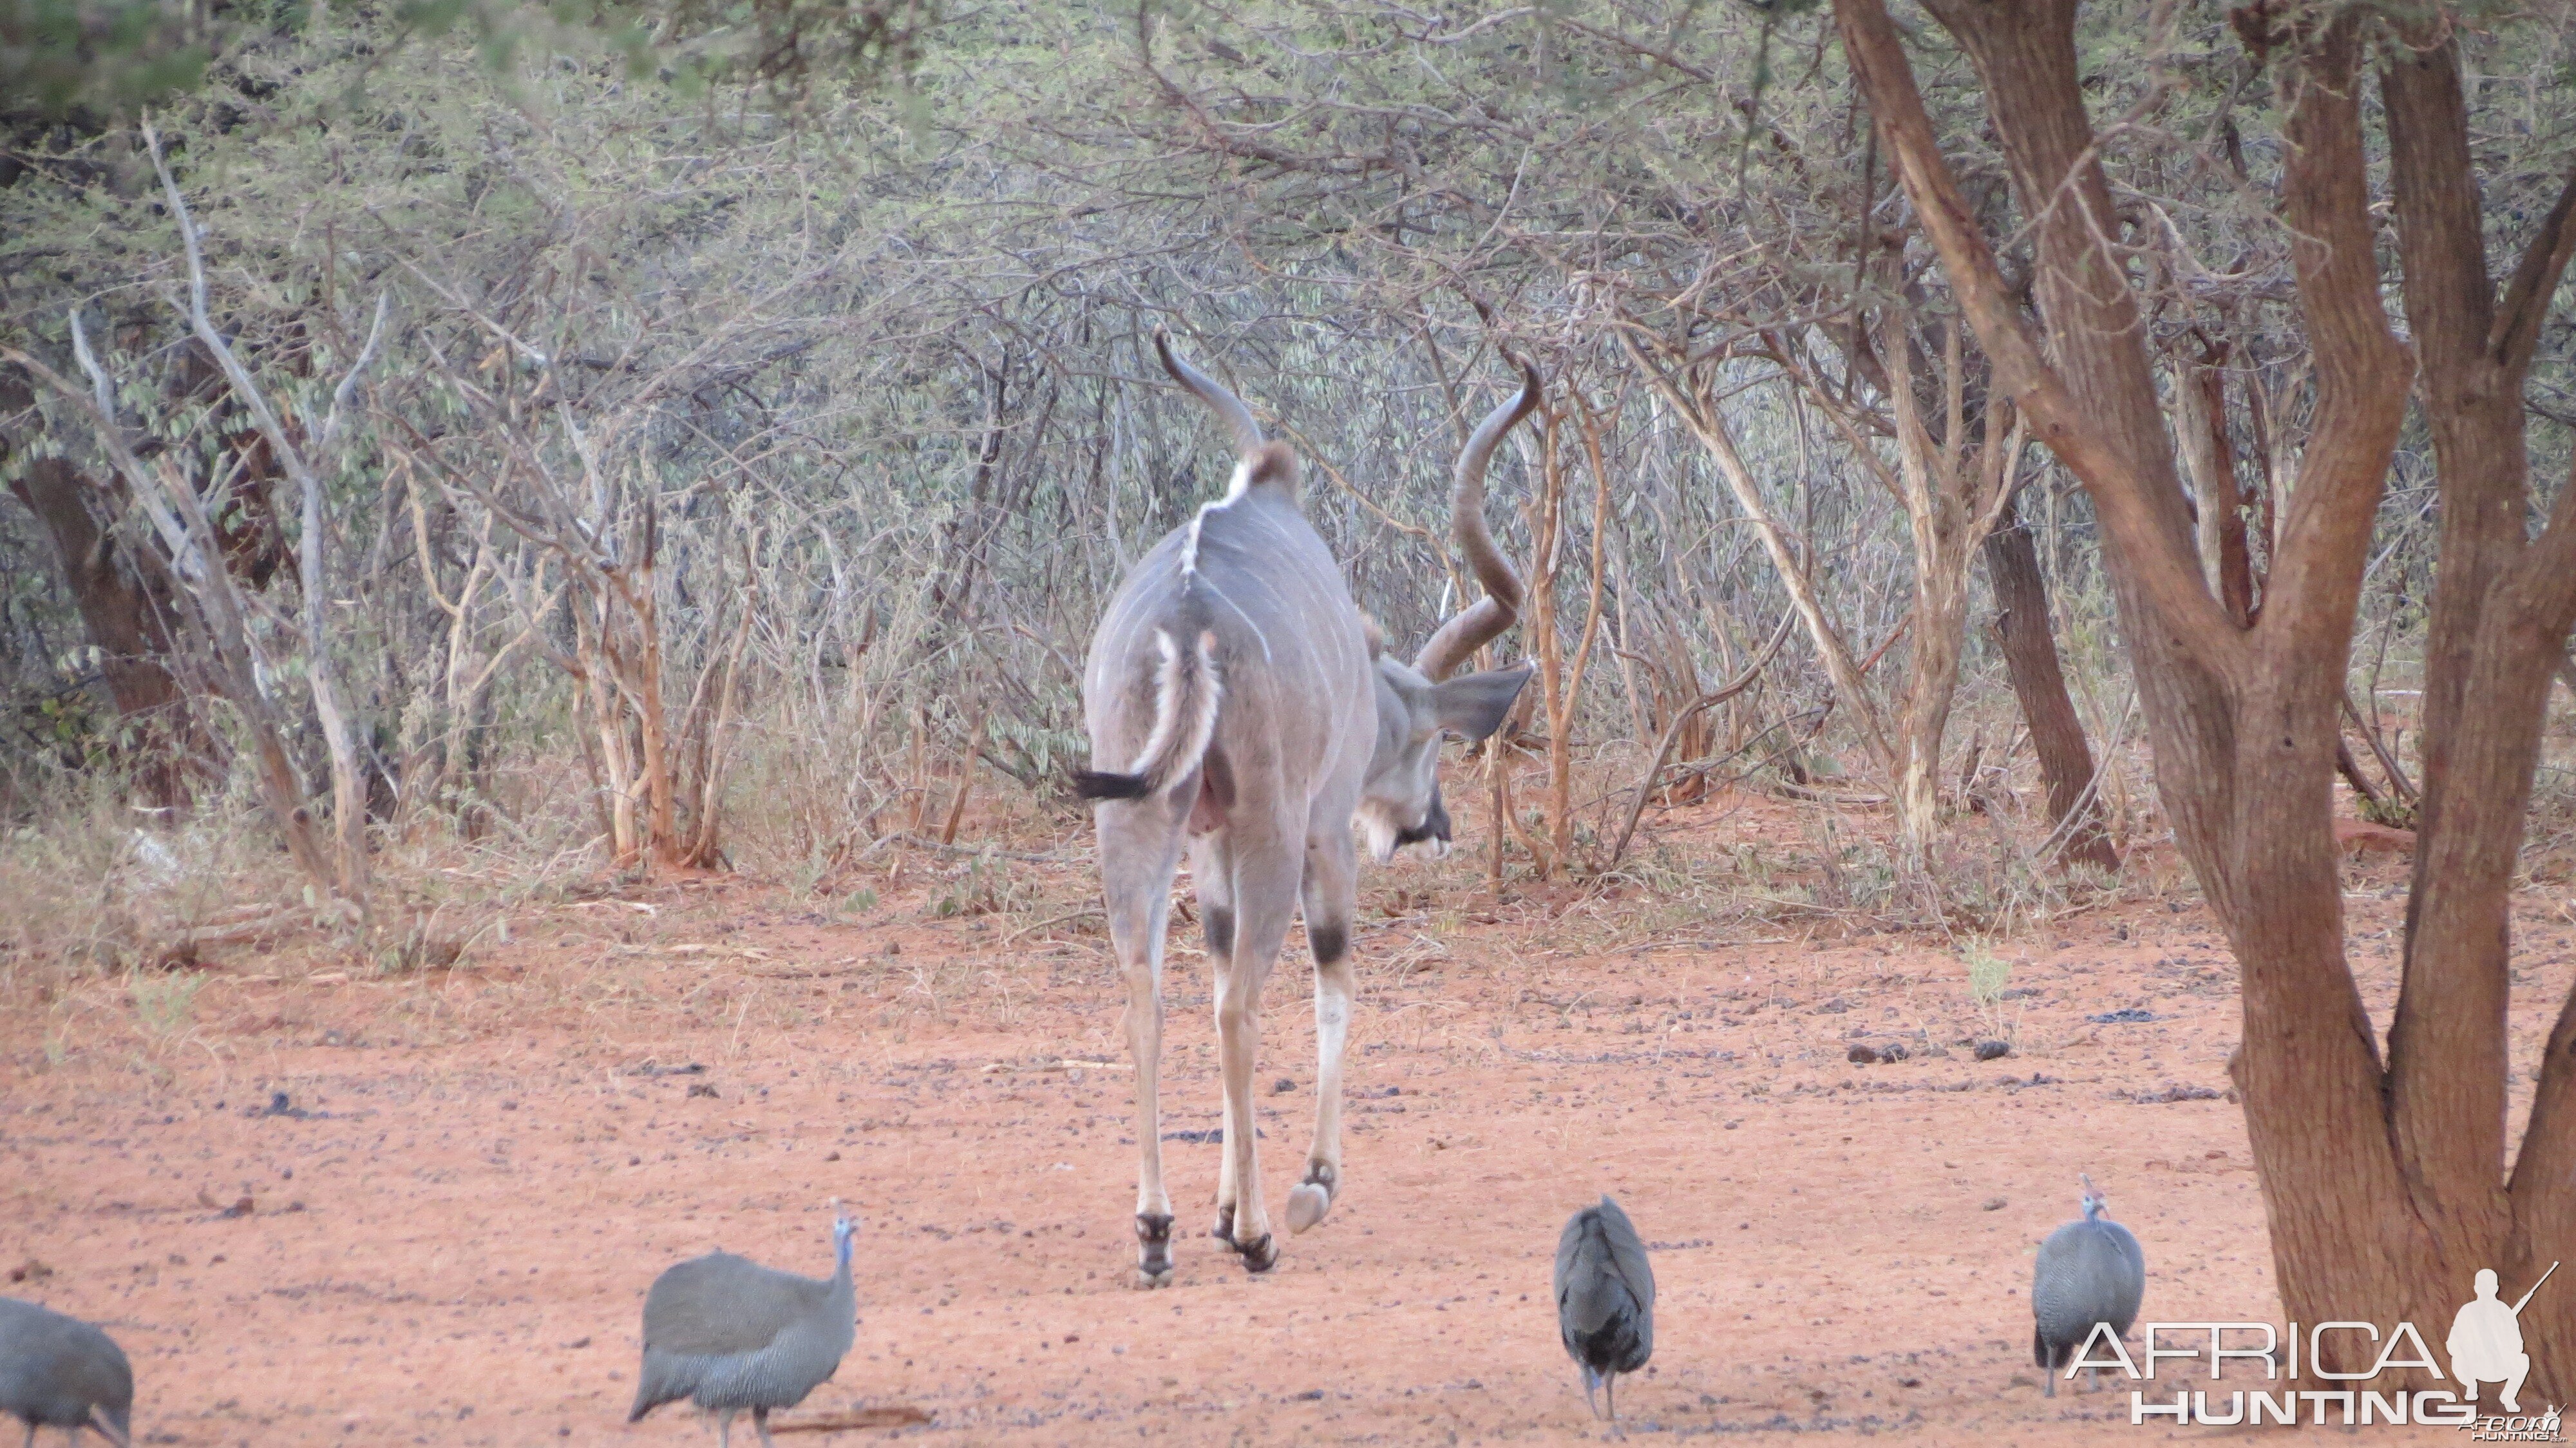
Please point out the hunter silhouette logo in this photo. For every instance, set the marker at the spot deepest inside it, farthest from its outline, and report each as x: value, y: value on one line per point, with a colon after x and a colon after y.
x: 2486, y: 1341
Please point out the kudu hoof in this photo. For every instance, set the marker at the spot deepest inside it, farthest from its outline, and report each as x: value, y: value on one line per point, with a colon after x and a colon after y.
x: 1260, y: 1254
x: 1153, y: 1249
x: 1223, y: 1231
x: 1307, y: 1204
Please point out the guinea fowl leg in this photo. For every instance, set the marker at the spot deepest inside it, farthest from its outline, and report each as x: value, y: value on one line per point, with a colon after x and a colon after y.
x: 760, y: 1421
x: 724, y: 1429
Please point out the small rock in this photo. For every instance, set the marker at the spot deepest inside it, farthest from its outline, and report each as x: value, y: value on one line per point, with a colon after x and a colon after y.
x: 1993, y: 1204
x: 1861, y: 1056
x: 831, y: 1156
x: 1993, y: 1050
x: 1282, y: 1086
x: 704, y: 1088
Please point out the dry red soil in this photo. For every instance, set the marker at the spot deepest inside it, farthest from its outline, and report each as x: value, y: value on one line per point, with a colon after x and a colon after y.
x: 477, y: 1171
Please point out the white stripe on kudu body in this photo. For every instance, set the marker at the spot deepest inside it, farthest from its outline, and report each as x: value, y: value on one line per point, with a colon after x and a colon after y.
x: 1236, y: 676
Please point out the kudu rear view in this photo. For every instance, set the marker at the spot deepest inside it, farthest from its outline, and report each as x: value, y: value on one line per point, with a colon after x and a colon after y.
x: 1259, y: 721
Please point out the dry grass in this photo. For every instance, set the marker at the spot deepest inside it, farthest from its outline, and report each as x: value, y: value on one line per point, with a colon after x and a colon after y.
x: 102, y: 893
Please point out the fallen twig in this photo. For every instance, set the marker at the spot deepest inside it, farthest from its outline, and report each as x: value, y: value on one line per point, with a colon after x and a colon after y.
x: 1064, y: 919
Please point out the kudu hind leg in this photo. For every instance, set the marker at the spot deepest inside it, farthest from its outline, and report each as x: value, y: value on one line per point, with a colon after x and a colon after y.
x: 1265, y: 894
x: 1136, y: 886
x: 1331, y: 903
x: 1212, y: 876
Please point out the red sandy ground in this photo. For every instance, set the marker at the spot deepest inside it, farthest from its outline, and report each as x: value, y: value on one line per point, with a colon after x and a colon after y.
x: 453, y: 1246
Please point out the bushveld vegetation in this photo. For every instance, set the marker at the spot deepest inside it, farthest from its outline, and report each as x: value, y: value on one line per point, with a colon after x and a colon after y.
x: 455, y: 456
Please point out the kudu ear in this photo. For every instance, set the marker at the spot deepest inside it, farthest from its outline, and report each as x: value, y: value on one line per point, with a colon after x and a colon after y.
x: 1472, y: 706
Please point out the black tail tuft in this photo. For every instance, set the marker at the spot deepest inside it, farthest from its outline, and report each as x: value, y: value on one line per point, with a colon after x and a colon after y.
x: 1101, y: 784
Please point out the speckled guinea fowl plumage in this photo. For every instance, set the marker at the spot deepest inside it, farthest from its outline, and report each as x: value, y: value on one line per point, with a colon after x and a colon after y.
x: 734, y: 1336
x: 2091, y: 1271
x: 1605, y: 1297
x: 60, y: 1372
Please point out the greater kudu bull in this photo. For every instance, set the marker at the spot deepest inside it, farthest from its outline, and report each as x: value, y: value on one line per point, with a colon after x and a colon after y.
x: 1261, y: 721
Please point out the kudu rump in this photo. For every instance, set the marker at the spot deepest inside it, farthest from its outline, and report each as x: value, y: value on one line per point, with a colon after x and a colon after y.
x: 1260, y: 721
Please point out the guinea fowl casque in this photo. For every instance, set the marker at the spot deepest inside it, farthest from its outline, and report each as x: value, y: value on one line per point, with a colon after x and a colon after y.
x: 734, y: 1336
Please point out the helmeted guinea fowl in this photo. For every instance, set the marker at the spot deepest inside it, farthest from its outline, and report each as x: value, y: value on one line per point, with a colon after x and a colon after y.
x: 2088, y: 1272
x: 732, y: 1335
x: 1605, y: 1299
x: 60, y: 1372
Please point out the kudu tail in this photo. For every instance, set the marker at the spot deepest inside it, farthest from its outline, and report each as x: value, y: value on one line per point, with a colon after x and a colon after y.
x: 1186, y: 694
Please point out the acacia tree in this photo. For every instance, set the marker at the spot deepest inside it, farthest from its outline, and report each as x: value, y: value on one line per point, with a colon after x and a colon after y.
x: 2385, y: 1180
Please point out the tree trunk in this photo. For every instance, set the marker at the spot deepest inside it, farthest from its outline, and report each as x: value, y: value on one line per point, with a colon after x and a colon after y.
x: 1932, y: 681
x: 126, y: 618
x: 2502, y: 607
x: 2030, y: 659
x: 2200, y: 425
x: 2242, y: 722
x: 125, y: 608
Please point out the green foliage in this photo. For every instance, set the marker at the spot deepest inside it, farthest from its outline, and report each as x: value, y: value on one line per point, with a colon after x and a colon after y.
x: 1989, y: 975
x: 113, y: 56
x: 985, y: 886
x: 119, y: 57
x: 874, y: 358
x: 2394, y: 813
